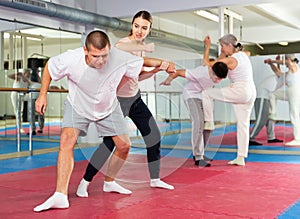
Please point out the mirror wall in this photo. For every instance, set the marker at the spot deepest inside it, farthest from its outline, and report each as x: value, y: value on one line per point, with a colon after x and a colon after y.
x: 27, y: 46
x: 279, y: 88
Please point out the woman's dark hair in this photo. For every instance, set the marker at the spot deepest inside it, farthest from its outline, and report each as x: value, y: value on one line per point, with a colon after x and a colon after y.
x: 98, y: 39
x: 143, y: 14
x: 220, y: 69
x: 239, y: 46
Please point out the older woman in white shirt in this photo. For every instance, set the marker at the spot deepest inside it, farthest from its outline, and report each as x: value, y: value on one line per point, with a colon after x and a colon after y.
x: 241, y: 92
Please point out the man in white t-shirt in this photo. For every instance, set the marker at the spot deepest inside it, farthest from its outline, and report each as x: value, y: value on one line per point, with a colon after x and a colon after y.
x: 93, y: 73
x: 198, y: 80
x: 262, y: 110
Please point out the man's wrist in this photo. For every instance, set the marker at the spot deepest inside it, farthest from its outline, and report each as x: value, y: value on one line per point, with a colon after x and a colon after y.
x: 164, y: 65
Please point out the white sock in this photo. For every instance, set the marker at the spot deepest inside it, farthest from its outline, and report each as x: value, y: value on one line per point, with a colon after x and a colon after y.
x: 240, y: 161
x: 57, y: 200
x: 157, y: 183
x: 115, y: 187
x: 82, y: 189
x: 293, y: 143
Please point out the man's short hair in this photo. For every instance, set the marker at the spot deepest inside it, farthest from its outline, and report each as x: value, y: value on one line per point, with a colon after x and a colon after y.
x: 97, y: 39
x: 220, y: 69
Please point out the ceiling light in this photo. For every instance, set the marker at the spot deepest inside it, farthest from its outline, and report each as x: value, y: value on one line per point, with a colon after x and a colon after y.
x: 34, y: 38
x: 283, y: 43
x: 210, y: 16
x: 207, y: 15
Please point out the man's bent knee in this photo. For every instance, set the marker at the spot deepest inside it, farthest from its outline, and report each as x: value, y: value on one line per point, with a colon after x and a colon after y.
x: 68, y: 138
x: 122, y: 144
x: 123, y: 148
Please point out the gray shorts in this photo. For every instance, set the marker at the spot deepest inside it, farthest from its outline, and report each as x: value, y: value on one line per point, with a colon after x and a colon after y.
x: 112, y: 125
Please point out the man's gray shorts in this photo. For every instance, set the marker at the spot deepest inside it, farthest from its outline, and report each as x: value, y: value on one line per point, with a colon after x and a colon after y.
x: 112, y: 125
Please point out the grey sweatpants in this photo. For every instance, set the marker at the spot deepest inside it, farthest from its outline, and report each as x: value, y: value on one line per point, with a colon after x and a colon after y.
x: 199, y: 136
x: 262, y: 110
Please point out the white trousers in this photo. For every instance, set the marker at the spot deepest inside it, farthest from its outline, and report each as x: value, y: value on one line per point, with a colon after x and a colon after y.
x: 14, y: 101
x: 292, y: 95
x: 242, y: 96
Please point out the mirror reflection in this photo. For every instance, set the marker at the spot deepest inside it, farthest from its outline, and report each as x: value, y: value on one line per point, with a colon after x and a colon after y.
x: 27, y: 48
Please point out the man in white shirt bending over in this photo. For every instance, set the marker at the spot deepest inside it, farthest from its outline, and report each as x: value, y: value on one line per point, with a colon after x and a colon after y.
x: 93, y: 73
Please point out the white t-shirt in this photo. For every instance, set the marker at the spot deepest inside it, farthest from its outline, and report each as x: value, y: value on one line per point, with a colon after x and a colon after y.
x: 267, y: 86
x: 34, y: 85
x: 293, y: 78
x: 20, y: 84
x: 198, y: 79
x: 92, y: 92
x: 243, y: 71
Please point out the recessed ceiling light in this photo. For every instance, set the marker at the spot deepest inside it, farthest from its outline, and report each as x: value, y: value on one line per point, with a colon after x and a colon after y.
x: 208, y: 15
x: 283, y: 43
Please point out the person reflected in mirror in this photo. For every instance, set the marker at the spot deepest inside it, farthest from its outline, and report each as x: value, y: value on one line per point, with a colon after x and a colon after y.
x: 32, y: 114
x: 262, y: 111
x: 292, y: 80
x: 21, y: 80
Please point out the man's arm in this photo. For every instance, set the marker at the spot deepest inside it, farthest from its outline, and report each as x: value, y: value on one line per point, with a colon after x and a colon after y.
x: 41, y: 102
x: 159, y: 65
x: 148, y: 74
x: 169, y: 67
x: 171, y: 77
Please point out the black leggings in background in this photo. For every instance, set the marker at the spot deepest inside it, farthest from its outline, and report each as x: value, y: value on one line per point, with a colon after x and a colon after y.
x: 139, y: 113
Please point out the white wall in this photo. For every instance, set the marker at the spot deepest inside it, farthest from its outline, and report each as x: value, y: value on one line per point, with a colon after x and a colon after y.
x: 182, y: 56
